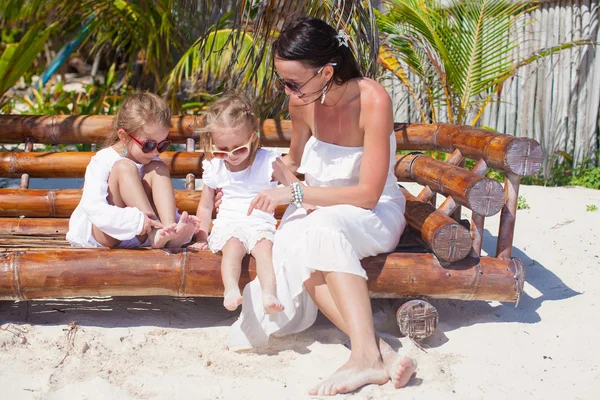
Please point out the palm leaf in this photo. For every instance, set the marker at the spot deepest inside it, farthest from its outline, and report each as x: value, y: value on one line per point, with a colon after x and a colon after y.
x: 17, y: 58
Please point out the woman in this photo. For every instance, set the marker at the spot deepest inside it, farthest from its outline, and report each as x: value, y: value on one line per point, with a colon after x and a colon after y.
x: 350, y: 208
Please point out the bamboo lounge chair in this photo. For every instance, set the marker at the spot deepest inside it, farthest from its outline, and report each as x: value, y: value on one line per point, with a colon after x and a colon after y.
x: 437, y: 257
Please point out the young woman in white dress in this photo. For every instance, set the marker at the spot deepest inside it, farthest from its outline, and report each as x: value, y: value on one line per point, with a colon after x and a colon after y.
x: 349, y: 208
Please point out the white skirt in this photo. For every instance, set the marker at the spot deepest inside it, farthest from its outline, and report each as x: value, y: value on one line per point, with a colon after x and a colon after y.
x: 249, y: 231
x: 332, y: 239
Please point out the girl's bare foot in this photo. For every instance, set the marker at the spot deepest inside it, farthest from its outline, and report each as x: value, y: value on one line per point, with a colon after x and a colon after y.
x: 184, y: 229
x: 400, y: 369
x: 232, y: 298
x: 271, y: 304
x: 350, y: 377
x: 163, y: 236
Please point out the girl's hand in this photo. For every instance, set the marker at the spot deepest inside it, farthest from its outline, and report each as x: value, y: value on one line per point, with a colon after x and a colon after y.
x: 197, y: 223
x: 199, y: 245
x: 150, y: 222
x: 268, y: 200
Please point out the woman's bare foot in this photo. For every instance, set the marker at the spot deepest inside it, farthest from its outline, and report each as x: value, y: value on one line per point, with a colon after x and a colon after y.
x: 271, y: 304
x: 350, y: 377
x: 184, y: 229
x: 162, y: 236
x: 400, y: 369
x: 232, y: 298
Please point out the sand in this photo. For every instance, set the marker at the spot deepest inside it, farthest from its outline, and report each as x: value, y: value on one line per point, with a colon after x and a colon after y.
x: 167, y: 348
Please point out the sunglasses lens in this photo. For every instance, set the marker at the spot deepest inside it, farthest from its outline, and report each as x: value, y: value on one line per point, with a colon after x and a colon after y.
x: 164, y: 145
x: 220, y: 155
x: 148, y: 146
x: 293, y: 87
x: 240, y: 152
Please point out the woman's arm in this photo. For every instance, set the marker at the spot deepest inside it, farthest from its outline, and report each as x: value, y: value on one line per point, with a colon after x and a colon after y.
x: 300, y: 135
x: 378, y: 126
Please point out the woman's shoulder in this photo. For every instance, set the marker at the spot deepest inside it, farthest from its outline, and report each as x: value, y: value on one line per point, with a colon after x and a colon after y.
x: 372, y: 92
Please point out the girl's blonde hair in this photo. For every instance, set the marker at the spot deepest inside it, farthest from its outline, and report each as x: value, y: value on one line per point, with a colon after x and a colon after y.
x: 232, y: 109
x: 138, y: 109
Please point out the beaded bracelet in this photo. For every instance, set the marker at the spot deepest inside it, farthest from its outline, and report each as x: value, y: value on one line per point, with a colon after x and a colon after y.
x: 296, y: 194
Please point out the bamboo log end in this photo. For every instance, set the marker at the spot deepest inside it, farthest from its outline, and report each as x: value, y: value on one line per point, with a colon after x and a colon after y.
x: 486, y: 197
x: 417, y: 319
x: 523, y: 157
x: 451, y: 242
x: 519, y: 274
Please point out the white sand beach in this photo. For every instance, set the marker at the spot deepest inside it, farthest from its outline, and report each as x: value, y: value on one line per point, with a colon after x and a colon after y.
x: 173, y: 348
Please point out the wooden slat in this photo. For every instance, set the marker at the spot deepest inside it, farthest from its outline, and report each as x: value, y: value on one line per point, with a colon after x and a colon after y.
x: 144, y: 272
x: 518, y: 156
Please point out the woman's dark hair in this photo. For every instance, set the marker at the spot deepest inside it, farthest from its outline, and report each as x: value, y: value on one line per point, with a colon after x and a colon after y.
x: 314, y: 42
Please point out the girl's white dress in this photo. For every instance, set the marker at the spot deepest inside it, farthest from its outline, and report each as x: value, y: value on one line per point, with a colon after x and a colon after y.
x: 239, y: 189
x: 123, y: 224
x: 333, y: 238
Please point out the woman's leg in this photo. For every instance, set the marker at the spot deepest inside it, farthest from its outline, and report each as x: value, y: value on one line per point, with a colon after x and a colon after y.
x: 399, y: 369
x: 159, y: 187
x: 263, y: 253
x: 125, y: 189
x: 231, y: 268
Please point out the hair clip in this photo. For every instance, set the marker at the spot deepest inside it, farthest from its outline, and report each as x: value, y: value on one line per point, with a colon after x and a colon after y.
x: 342, y: 38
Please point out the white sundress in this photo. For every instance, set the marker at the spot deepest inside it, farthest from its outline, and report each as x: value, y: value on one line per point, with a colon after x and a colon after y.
x: 239, y: 189
x: 333, y: 238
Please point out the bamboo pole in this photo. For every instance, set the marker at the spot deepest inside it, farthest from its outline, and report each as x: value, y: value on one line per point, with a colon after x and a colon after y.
x: 34, y: 226
x: 77, y: 129
x: 145, y: 272
x: 73, y: 164
x: 480, y: 194
x: 61, y: 202
x: 449, y: 240
x: 508, y: 217
x: 520, y: 156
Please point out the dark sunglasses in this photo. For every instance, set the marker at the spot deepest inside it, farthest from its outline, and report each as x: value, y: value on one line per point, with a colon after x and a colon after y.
x: 148, y: 146
x: 295, y: 88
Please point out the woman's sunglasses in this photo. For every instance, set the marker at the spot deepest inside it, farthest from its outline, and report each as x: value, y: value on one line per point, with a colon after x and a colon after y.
x: 148, y: 146
x: 295, y: 88
x: 237, y: 152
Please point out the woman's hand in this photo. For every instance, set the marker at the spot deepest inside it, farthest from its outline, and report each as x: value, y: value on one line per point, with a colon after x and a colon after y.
x: 218, y: 199
x: 268, y: 200
x: 150, y: 222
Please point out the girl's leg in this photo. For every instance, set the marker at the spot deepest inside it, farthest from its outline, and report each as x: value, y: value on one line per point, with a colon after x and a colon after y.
x: 344, y: 299
x: 125, y: 189
x: 263, y: 253
x: 158, y: 185
x: 231, y: 268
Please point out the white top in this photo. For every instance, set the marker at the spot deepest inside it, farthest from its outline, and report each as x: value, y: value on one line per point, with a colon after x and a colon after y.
x: 327, y: 165
x: 120, y: 223
x: 239, y: 188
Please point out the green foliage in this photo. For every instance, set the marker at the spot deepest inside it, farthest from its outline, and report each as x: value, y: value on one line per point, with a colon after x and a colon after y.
x: 522, y: 203
x: 17, y: 58
x: 97, y: 98
x: 461, y: 54
x: 563, y: 173
x: 591, y: 208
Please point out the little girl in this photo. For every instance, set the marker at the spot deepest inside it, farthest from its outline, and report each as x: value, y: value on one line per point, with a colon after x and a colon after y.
x: 126, y: 185
x: 241, y: 169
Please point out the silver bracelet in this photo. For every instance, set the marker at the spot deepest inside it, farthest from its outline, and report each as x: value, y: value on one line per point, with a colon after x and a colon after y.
x: 296, y: 189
